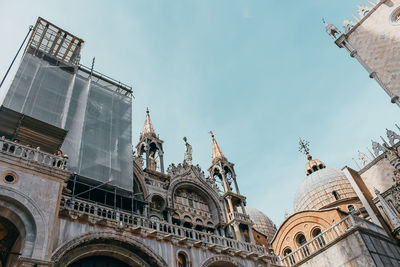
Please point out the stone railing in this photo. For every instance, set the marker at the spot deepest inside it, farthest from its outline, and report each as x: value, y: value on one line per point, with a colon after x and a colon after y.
x: 327, y: 237
x: 239, y: 216
x: 97, y: 213
x: 32, y: 154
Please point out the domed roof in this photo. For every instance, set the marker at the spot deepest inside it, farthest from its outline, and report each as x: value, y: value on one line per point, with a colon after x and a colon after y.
x: 262, y: 223
x: 321, y: 188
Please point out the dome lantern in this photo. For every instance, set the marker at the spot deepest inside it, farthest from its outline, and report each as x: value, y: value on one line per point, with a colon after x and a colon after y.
x: 312, y: 165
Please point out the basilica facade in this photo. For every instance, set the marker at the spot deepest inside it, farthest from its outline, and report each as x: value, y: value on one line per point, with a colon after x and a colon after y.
x: 74, y: 190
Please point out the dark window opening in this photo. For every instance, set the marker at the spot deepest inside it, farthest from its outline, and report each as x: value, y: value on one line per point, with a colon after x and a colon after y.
x: 9, y: 178
x: 288, y: 251
x: 301, y: 240
x: 336, y: 195
x: 316, y: 233
x: 351, y: 208
x: 182, y: 261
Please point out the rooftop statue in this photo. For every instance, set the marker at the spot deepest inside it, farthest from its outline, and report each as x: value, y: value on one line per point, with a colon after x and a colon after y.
x: 188, y: 152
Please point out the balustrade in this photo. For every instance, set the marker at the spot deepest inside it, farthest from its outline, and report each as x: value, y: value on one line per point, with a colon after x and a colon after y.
x: 328, y: 236
x: 32, y: 154
x: 107, y: 213
x: 239, y: 216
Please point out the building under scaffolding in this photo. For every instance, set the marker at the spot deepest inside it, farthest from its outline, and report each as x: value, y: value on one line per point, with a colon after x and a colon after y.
x: 50, y: 85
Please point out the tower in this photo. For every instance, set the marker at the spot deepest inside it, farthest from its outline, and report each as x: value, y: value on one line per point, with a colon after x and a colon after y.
x: 223, y: 173
x: 150, y: 145
x: 373, y: 40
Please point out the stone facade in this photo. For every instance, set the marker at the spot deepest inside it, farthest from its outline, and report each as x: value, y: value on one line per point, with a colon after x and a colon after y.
x: 374, y: 41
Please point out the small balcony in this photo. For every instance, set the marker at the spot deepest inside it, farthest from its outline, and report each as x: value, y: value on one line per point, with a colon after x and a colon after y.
x: 32, y: 154
x: 239, y: 216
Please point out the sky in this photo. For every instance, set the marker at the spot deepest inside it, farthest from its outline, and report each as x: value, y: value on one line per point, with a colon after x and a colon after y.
x: 259, y: 74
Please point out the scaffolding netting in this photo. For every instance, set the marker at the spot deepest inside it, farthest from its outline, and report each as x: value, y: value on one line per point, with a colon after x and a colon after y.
x: 95, y: 110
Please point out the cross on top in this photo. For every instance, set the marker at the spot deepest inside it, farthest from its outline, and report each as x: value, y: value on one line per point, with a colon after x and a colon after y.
x: 304, y: 146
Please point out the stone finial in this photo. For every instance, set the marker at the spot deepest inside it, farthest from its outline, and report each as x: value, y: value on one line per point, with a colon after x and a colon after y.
x: 348, y: 25
x: 364, y: 159
x: 331, y: 29
x: 363, y: 10
x: 392, y: 136
x: 376, y: 147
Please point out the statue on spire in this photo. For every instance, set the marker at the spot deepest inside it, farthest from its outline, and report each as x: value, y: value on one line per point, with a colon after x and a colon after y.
x: 188, y: 152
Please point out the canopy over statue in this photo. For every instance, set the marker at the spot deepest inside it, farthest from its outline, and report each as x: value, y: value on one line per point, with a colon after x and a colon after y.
x: 188, y: 152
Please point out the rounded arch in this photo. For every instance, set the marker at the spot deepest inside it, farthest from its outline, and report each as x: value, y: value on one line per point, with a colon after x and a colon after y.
x: 287, y: 250
x: 128, y: 249
x: 221, y: 261
x: 300, y: 239
x: 157, y: 201
x: 316, y: 230
x: 210, y: 195
x: 29, y: 220
x: 183, y: 258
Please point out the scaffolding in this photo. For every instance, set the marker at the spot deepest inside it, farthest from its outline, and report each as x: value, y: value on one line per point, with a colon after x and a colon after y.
x: 95, y: 109
x: 53, y: 41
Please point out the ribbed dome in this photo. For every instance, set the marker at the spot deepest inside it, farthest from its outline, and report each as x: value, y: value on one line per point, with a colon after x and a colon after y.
x: 322, y: 188
x: 262, y: 223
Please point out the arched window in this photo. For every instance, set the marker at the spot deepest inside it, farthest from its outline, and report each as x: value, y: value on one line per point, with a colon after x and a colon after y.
x: 157, y: 202
x: 335, y: 195
x: 316, y: 233
x: 301, y: 240
x: 351, y: 208
x: 287, y: 252
x: 182, y: 260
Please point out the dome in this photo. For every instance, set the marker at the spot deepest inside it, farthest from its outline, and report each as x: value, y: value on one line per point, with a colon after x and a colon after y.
x: 262, y: 223
x: 322, y: 188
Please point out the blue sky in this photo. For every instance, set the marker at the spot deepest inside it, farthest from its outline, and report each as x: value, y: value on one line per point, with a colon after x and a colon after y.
x: 260, y: 74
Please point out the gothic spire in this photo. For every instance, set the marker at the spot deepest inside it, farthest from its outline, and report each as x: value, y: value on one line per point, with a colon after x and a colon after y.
x: 217, y: 153
x: 148, y: 129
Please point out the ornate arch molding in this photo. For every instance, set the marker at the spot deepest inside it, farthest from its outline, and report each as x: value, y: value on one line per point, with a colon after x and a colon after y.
x: 29, y: 220
x: 128, y: 249
x: 221, y: 259
x: 182, y: 182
